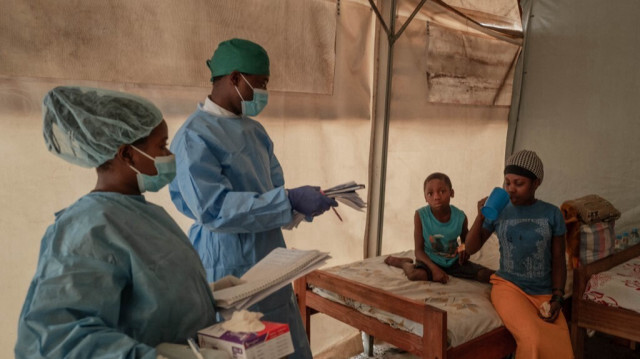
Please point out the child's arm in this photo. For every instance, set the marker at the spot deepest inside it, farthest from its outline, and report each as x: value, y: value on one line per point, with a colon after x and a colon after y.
x: 465, y: 230
x: 438, y: 274
x: 463, y: 255
x: 558, y: 263
x: 477, y: 235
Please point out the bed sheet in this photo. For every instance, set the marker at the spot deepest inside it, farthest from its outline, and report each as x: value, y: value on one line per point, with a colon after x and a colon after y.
x: 469, y: 310
x: 617, y: 287
x: 468, y: 304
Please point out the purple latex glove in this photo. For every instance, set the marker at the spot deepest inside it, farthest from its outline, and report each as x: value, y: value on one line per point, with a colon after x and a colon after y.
x: 310, y: 201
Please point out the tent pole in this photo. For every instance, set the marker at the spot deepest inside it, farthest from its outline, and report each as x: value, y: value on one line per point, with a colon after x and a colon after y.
x: 381, y: 109
x: 519, y: 75
x: 385, y: 127
x: 380, y: 126
x: 380, y: 131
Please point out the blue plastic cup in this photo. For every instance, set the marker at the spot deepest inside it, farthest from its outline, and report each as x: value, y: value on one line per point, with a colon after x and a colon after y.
x: 498, y: 199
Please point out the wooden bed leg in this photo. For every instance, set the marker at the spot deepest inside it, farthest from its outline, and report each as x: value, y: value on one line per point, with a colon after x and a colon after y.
x: 367, y: 344
x: 434, y: 340
x: 577, y: 340
x: 300, y: 289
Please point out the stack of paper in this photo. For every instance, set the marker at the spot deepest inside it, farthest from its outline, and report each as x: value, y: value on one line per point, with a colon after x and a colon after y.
x: 344, y: 193
x: 277, y: 269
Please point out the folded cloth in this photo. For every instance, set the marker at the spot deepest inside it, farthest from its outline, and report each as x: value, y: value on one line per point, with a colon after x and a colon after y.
x: 593, y: 208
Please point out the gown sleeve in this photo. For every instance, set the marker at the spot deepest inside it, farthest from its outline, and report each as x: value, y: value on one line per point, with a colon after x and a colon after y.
x: 202, y: 191
x: 74, y: 312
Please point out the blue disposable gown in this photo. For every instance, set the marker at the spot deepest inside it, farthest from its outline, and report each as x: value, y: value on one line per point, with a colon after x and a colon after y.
x: 231, y: 183
x: 116, y: 277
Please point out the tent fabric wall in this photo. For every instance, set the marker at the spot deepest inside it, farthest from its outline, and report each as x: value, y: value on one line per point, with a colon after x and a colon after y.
x: 320, y: 138
x: 469, y: 69
x: 579, y: 107
x: 166, y: 45
x: 433, y: 12
x: 465, y: 141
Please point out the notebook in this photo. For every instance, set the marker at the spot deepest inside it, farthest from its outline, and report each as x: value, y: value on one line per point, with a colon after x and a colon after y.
x: 277, y: 269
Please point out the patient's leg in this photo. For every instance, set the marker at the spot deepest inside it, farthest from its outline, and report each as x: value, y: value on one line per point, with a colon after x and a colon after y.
x: 484, y: 275
x: 414, y: 273
x: 397, y: 261
x: 409, y: 268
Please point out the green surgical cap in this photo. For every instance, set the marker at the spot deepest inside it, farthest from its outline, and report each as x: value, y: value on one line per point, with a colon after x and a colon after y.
x: 85, y: 126
x: 239, y: 55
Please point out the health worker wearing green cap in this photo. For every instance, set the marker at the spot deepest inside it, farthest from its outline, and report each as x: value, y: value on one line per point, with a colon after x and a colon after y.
x: 116, y: 276
x: 230, y: 182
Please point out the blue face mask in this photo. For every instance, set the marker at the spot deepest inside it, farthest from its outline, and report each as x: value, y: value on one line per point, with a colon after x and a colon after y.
x: 259, y: 102
x: 166, y: 167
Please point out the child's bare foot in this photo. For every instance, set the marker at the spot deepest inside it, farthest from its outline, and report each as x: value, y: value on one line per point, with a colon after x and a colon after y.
x: 397, y: 261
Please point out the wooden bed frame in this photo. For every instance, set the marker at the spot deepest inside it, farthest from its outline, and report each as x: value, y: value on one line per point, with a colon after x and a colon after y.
x: 589, y: 315
x: 432, y: 345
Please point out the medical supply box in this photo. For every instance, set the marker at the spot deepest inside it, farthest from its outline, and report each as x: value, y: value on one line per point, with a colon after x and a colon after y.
x: 274, y: 341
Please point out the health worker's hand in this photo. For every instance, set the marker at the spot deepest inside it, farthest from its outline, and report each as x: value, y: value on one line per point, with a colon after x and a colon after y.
x: 208, y: 353
x: 310, y: 201
x: 226, y: 282
x: 181, y: 351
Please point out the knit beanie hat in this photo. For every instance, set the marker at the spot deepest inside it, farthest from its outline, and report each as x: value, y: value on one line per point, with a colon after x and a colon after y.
x: 525, y: 163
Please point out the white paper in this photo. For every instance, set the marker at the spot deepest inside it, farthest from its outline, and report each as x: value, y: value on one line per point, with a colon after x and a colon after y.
x: 344, y: 193
x: 273, y: 272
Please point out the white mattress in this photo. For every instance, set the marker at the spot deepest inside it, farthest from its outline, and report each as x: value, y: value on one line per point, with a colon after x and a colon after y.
x: 468, y: 305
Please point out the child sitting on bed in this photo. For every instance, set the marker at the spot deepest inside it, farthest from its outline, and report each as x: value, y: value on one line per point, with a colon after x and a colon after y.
x: 436, y: 231
x: 528, y: 288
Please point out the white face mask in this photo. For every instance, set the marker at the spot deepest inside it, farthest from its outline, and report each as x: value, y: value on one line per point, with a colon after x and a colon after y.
x: 166, y: 167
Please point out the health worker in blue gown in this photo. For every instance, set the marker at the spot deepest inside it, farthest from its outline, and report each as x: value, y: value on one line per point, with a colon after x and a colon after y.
x: 116, y: 276
x: 230, y: 182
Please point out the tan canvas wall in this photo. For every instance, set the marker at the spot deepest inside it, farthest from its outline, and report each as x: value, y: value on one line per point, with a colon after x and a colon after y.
x: 320, y: 138
x: 166, y: 44
x: 579, y: 103
x: 464, y: 141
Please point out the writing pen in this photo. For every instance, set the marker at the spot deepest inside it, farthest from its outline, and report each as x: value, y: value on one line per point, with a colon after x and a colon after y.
x: 334, y: 209
x: 336, y: 212
x: 195, y: 348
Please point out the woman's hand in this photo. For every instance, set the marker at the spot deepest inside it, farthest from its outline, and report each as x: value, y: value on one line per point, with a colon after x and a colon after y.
x: 551, y: 313
x: 480, y: 205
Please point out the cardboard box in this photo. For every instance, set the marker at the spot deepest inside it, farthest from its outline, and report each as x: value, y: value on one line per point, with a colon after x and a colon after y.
x: 274, y: 341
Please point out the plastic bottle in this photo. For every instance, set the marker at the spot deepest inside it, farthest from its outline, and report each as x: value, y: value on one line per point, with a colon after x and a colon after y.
x: 625, y: 240
x: 634, y: 237
x: 618, y: 243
